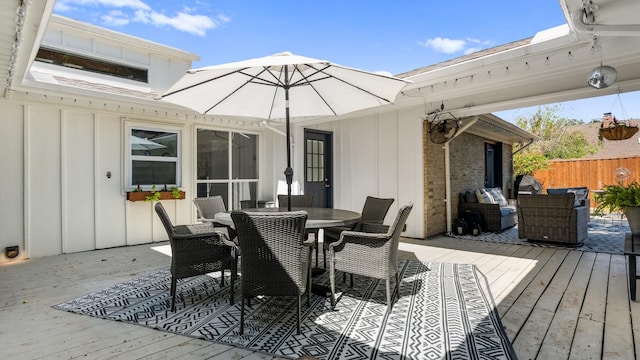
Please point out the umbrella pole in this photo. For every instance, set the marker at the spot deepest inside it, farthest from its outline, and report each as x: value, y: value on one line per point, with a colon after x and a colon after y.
x: 288, y: 172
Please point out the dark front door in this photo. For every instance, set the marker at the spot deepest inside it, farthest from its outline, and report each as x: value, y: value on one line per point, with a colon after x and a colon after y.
x: 493, y: 165
x: 318, y: 169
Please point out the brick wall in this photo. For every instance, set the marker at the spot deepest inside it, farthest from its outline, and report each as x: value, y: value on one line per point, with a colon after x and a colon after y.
x: 467, y: 172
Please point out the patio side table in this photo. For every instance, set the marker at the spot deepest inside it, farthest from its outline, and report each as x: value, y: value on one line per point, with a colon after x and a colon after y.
x: 632, y: 249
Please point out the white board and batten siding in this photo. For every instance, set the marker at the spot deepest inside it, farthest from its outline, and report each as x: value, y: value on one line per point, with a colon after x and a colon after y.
x: 380, y: 155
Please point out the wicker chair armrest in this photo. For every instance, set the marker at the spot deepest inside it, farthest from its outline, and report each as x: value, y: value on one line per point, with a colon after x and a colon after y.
x: 202, y: 228
x: 581, y: 212
x: 371, y: 239
x: 225, y: 239
x: 309, y: 242
x: 374, y: 228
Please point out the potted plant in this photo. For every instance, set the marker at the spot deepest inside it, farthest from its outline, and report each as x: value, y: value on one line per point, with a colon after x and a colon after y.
x: 621, y: 198
x: 155, y: 194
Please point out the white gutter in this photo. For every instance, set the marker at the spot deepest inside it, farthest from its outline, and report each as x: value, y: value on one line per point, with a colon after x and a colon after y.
x: 447, y: 171
x: 575, y: 20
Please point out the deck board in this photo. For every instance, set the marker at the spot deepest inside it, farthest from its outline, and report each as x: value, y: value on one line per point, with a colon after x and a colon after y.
x: 554, y: 303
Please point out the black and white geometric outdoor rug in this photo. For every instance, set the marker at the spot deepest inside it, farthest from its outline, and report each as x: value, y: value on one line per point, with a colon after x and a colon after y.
x: 442, y: 312
x: 605, y: 234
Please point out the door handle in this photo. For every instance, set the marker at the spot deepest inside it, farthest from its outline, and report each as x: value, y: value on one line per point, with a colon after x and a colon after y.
x: 326, y: 183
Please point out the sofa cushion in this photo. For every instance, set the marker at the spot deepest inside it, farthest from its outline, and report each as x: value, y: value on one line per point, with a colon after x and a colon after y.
x: 581, y: 193
x: 506, y: 210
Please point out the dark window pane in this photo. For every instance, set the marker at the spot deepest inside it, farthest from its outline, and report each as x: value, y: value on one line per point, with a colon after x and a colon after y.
x: 153, y: 172
x: 206, y: 190
x: 245, y: 156
x: 79, y: 62
x: 213, y: 155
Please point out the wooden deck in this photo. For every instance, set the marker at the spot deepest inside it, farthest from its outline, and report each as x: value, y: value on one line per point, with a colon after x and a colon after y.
x: 554, y: 304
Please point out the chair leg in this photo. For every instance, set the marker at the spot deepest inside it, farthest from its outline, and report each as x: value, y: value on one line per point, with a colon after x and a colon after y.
x: 388, y: 284
x: 398, y: 285
x: 233, y: 275
x: 332, y: 281
x: 316, y: 245
x: 309, y: 280
x: 173, y: 293
x: 324, y: 254
x: 222, y: 277
x: 298, y: 315
x: 351, y: 279
x: 242, y: 314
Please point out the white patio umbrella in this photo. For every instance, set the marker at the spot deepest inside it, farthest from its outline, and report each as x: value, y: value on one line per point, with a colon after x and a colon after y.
x: 282, y: 86
x: 138, y: 143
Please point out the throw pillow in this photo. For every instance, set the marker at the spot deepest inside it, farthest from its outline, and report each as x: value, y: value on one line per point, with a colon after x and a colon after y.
x: 579, y: 196
x: 483, y: 196
x: 557, y: 191
x: 498, y: 196
x: 470, y: 197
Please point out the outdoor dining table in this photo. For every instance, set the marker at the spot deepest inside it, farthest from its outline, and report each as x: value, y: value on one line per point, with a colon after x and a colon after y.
x: 318, y: 218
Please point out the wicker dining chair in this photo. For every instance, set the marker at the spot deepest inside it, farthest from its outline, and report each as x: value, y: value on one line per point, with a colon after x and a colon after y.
x: 197, y: 249
x: 373, y: 212
x: 371, y: 254
x: 276, y: 260
x: 300, y: 201
x: 208, y: 207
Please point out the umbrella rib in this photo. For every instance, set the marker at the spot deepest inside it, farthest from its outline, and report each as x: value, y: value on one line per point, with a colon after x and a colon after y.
x: 250, y: 80
x: 322, y: 71
x: 306, y: 81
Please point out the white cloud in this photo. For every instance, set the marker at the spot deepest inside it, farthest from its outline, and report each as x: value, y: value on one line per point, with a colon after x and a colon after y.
x: 128, y: 11
x: 445, y: 45
x: 115, y: 18
x: 451, y: 46
x: 183, y: 21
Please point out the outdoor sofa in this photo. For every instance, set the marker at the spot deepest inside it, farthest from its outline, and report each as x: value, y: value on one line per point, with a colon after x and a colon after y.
x: 552, y: 218
x: 494, y: 208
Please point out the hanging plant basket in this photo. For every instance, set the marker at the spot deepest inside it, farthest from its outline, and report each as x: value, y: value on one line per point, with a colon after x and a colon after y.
x: 618, y: 132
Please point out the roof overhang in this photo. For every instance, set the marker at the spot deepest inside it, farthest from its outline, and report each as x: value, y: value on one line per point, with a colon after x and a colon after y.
x: 553, y: 66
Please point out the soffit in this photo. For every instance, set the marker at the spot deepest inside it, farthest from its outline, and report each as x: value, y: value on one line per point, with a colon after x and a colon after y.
x: 22, y: 23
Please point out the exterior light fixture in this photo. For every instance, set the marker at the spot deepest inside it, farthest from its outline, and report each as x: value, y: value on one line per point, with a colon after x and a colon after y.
x: 602, y: 76
x: 12, y: 251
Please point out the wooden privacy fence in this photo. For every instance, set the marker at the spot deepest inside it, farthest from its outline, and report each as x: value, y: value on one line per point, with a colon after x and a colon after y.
x: 592, y: 173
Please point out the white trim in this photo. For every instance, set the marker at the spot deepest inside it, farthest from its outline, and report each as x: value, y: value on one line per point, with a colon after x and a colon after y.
x: 141, y: 125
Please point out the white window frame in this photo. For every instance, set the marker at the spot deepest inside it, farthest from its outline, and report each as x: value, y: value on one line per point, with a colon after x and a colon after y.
x: 230, y: 181
x: 129, y: 159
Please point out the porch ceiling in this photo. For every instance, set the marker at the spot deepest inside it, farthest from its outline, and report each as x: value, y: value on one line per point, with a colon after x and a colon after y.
x: 20, y: 32
x: 552, y: 66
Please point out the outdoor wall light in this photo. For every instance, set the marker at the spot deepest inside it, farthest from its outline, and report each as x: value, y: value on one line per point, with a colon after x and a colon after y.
x: 602, y: 76
x: 12, y: 251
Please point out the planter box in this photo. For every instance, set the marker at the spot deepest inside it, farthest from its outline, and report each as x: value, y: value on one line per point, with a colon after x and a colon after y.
x: 142, y: 195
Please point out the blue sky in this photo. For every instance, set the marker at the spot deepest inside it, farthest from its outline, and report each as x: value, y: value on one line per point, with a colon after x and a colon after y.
x: 389, y: 36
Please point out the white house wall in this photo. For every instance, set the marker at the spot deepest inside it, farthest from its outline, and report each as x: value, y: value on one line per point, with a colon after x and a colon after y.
x: 380, y: 155
x: 56, y: 196
x: 12, y: 209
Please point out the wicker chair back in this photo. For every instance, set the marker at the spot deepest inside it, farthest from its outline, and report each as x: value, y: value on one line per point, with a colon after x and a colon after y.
x: 196, y: 249
x: 208, y: 207
x: 276, y: 261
